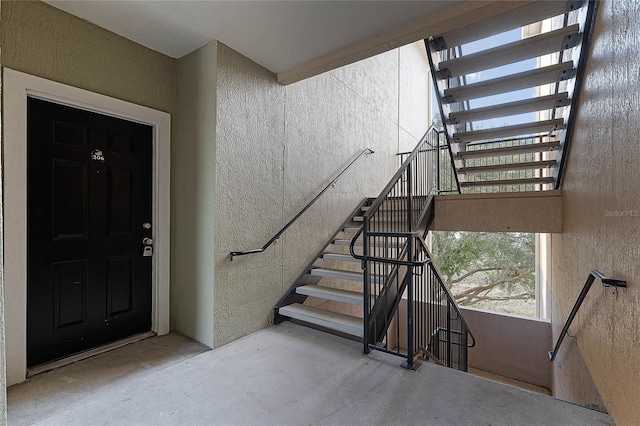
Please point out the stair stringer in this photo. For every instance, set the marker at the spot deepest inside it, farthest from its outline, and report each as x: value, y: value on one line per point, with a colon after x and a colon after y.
x: 434, y: 57
x: 571, y: 111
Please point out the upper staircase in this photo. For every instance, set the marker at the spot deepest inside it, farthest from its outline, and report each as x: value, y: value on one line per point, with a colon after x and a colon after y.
x: 508, y: 89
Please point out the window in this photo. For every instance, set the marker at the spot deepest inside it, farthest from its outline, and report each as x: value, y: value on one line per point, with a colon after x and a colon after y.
x: 492, y: 271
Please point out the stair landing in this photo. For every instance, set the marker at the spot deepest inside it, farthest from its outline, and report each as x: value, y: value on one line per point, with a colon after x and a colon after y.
x: 535, y: 211
x: 280, y: 375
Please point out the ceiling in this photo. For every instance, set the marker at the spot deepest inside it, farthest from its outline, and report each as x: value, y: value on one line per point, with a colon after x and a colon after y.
x: 279, y: 35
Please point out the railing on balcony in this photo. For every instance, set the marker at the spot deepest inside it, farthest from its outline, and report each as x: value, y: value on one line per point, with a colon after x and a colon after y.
x: 406, y: 300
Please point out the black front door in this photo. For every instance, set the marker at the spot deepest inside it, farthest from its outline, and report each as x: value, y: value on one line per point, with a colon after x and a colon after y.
x: 89, y: 209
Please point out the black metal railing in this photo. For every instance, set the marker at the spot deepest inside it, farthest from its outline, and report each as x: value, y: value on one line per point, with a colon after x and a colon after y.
x: 443, y: 169
x: 440, y: 330
x: 301, y: 212
x: 606, y: 281
x: 508, y: 174
x: 410, y: 299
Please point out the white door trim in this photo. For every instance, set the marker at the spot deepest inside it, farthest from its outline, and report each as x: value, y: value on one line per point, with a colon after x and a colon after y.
x: 16, y: 87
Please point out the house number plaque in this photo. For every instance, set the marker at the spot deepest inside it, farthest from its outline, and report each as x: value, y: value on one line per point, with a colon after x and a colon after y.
x: 96, y: 155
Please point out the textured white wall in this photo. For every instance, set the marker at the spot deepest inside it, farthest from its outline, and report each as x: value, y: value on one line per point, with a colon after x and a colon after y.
x: 194, y: 157
x: 277, y: 147
x: 249, y: 155
x: 41, y: 40
x: 602, y: 179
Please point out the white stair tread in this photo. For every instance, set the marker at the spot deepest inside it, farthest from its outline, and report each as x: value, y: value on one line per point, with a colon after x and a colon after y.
x: 521, y: 149
x: 499, y: 23
x: 350, y: 230
x: 337, y: 273
x: 344, y: 296
x: 507, y: 182
x: 402, y: 203
x: 333, y: 320
x: 532, y: 47
x: 339, y: 257
x: 385, y: 217
x: 509, y: 83
x: 340, y: 242
x: 506, y: 131
x: 344, y: 275
x: 541, y: 103
x: 509, y: 166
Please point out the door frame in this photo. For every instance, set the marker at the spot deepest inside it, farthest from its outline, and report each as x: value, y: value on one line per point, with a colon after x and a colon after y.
x: 17, y: 86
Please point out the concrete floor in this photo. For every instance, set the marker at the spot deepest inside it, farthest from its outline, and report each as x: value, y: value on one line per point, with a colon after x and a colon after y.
x: 509, y: 381
x: 282, y: 375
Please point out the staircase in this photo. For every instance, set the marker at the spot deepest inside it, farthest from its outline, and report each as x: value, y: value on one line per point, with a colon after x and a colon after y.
x: 334, y: 266
x: 508, y: 105
x: 385, y: 291
x: 373, y: 281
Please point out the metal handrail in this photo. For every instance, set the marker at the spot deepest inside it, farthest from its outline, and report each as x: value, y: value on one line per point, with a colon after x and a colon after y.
x: 415, y: 235
x: 378, y: 201
x: 411, y: 195
x: 233, y: 254
x: 451, y: 299
x: 427, y: 260
x: 606, y: 281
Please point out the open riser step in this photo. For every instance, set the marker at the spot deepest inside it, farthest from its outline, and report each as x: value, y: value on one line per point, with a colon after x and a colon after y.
x: 334, y: 281
x: 493, y: 107
x: 330, y: 320
x: 528, y: 48
x: 333, y: 278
